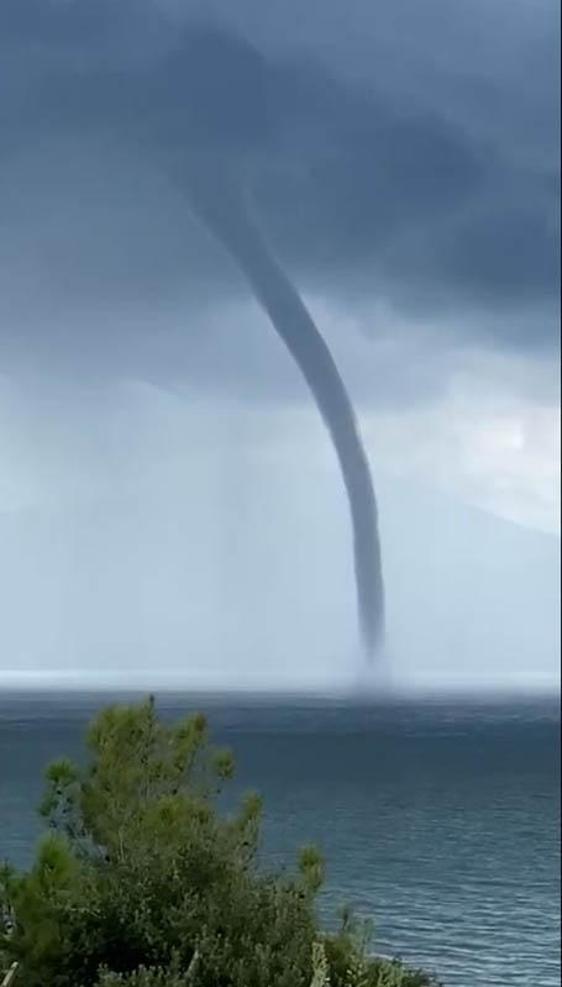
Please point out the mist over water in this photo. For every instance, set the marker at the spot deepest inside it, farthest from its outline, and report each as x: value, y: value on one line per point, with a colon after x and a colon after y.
x: 179, y: 544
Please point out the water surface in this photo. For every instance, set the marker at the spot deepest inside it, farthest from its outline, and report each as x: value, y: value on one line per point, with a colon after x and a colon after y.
x: 440, y: 821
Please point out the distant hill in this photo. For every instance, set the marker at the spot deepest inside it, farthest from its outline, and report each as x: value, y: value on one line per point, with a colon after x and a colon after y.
x: 477, y: 597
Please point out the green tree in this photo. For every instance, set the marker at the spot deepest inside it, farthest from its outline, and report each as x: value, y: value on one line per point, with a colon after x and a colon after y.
x: 140, y: 881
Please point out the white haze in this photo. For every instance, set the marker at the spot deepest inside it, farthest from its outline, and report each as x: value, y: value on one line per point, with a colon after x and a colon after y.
x: 172, y: 540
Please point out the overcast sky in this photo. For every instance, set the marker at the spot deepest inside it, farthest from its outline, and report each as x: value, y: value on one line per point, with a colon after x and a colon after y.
x: 168, y: 496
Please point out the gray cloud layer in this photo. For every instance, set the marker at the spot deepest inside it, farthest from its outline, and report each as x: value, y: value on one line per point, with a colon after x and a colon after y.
x: 389, y: 153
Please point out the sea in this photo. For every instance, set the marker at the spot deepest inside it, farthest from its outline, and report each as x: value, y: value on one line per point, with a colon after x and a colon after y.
x: 439, y: 819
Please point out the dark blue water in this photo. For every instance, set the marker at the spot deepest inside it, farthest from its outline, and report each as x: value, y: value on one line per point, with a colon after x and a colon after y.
x: 439, y: 821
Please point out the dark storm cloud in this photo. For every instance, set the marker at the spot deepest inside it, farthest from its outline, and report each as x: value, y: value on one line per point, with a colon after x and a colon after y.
x: 403, y: 179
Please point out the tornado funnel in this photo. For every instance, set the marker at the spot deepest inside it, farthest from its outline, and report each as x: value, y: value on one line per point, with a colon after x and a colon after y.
x: 219, y: 203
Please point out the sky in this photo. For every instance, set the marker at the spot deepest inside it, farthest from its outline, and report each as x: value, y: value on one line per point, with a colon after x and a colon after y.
x: 170, y: 507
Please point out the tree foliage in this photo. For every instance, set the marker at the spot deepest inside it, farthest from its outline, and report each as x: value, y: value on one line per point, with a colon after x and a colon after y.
x: 140, y: 881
